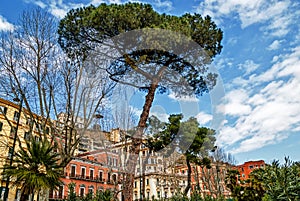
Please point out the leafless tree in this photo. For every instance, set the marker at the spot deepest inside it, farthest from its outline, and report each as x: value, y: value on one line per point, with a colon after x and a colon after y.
x: 57, y: 93
x: 212, y: 178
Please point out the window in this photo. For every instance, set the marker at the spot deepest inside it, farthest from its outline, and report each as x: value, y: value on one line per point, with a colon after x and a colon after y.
x: 81, y: 191
x: 115, y: 162
x: 250, y: 166
x: 158, y: 194
x: 166, y: 194
x: 135, y: 184
x: 26, y: 136
x: 147, y: 182
x: 243, y: 175
x: 91, y: 173
x: 1, y: 124
x: 82, y: 171
x: 29, y: 122
x: 108, y: 177
x: 60, y: 192
x: 91, y: 190
x: 3, y: 110
x: 10, y: 151
x: 51, y: 194
x: 109, y: 160
x: 13, y: 131
x: 101, y: 175
x: 114, y: 177
x: 16, y: 116
x: 18, y: 194
x: 157, y: 181
x: 73, y: 171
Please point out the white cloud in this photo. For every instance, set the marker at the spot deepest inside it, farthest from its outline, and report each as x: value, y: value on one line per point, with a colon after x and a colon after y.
x: 40, y: 4
x: 265, y: 115
x: 56, y: 7
x: 5, y: 25
x: 167, y: 5
x: 235, y: 103
x: 161, y: 116
x: 203, y: 118
x: 249, y: 66
x: 183, y: 98
x: 273, y: 13
x: 98, y: 2
x: 274, y: 45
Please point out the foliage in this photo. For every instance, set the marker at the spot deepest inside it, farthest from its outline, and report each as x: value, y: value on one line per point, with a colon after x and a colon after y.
x: 194, y: 142
x: 35, y: 167
x: 202, y: 141
x: 72, y: 194
x: 194, y: 197
x: 274, y: 182
x: 250, y: 189
x: 99, y: 196
x: 282, y: 182
x: 162, y: 134
x: 82, y: 26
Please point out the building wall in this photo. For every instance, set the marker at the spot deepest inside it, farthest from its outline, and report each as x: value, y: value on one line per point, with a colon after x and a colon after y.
x: 246, y: 168
x: 7, y: 121
x: 89, y: 174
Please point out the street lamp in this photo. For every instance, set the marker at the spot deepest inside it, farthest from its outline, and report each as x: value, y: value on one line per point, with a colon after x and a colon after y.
x: 12, y: 150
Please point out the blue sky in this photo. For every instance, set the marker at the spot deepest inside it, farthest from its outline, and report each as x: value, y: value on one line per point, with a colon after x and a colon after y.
x: 259, y: 66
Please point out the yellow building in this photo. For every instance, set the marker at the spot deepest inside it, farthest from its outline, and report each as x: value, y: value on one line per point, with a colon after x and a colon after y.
x: 9, y: 114
x: 12, y: 131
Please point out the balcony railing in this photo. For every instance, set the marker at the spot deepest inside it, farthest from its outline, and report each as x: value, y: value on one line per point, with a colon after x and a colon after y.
x: 84, y: 177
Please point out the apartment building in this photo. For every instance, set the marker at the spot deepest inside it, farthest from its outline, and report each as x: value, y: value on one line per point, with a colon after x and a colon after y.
x: 16, y: 124
x: 246, y: 168
x: 90, y: 172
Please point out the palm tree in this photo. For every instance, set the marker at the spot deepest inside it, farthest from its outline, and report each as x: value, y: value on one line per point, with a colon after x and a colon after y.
x: 35, y: 167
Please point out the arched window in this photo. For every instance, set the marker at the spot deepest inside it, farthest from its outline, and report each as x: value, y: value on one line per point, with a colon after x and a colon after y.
x: 91, y: 189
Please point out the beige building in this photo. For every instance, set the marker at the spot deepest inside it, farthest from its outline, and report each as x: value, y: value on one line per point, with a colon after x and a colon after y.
x: 15, y: 125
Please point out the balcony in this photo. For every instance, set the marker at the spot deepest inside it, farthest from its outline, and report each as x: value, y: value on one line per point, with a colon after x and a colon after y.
x: 84, y: 177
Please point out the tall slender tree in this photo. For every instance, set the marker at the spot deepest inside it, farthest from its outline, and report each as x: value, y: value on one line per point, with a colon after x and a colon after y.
x: 154, y: 61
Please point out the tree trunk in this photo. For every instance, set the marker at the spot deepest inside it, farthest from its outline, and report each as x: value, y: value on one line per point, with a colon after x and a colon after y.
x: 187, y: 188
x: 136, y: 142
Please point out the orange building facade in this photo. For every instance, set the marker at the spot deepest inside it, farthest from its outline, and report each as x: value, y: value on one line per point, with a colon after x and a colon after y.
x: 90, y: 172
x: 246, y: 168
